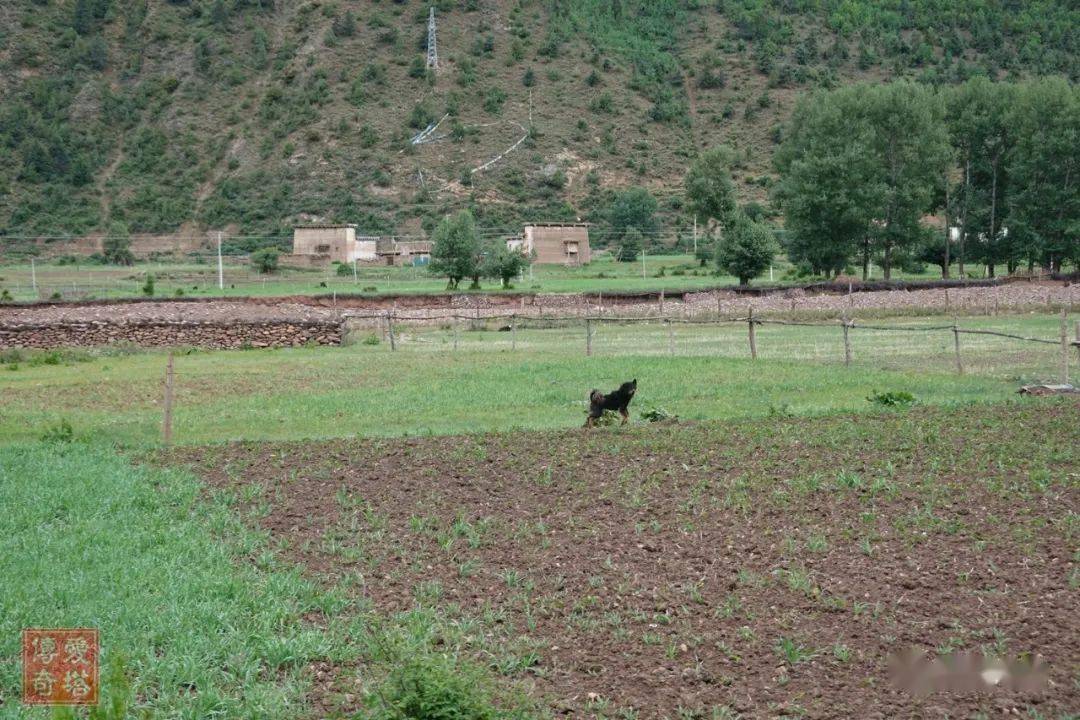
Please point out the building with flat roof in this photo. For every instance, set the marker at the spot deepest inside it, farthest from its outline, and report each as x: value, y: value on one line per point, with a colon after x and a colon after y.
x: 554, y: 243
x: 333, y: 243
x: 404, y: 252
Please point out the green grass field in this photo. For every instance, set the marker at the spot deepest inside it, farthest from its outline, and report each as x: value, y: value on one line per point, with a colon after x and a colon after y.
x: 428, y: 388
x: 86, y: 539
x: 669, y: 272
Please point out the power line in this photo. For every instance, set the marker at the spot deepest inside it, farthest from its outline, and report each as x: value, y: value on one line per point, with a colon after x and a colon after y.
x: 594, y: 232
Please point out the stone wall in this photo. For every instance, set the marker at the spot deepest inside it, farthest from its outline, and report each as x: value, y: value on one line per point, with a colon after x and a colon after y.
x: 216, y: 336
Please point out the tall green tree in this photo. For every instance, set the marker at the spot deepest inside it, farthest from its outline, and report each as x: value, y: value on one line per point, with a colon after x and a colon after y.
x: 746, y: 249
x: 502, y: 263
x: 1044, y: 170
x: 861, y: 166
x: 911, y: 151
x: 710, y: 195
x: 456, y: 249
x: 710, y: 192
x: 630, y: 246
x: 633, y: 207
x: 827, y: 181
x: 981, y: 133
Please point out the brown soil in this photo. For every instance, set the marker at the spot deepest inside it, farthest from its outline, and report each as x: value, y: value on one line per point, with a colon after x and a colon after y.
x: 971, y: 299
x: 659, y: 567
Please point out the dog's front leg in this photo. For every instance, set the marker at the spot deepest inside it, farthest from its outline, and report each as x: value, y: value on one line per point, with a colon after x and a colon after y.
x: 625, y: 415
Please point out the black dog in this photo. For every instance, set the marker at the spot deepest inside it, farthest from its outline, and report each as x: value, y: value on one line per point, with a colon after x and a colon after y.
x: 617, y: 400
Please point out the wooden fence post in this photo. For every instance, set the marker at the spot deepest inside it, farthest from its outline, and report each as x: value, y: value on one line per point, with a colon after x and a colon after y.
x: 166, y: 423
x: 390, y: 331
x: 1064, y: 346
x: 847, y: 339
x: 670, y: 337
x: 948, y: 310
x: 661, y: 303
x: 753, y: 334
x: 454, y: 327
x: 956, y: 344
x: 513, y: 332
x: 588, y: 337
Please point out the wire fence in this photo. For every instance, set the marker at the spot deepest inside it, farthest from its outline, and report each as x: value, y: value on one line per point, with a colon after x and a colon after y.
x: 987, y: 345
x: 845, y: 342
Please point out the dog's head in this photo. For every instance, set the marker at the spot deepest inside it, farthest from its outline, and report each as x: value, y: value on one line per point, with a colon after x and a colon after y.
x: 628, y: 388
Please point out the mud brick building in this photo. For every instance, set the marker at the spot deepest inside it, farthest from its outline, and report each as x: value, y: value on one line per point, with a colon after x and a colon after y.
x: 401, y: 252
x: 333, y: 243
x: 555, y: 243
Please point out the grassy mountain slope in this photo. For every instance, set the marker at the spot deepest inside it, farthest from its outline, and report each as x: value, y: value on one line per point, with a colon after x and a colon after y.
x: 167, y: 115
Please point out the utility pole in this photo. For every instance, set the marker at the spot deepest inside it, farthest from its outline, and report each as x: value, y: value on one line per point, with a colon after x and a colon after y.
x: 220, y: 267
x: 432, y: 49
x: 33, y: 276
x: 695, y: 237
x: 642, y: 263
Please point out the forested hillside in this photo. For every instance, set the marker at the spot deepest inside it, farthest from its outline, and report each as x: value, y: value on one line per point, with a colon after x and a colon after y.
x: 161, y: 115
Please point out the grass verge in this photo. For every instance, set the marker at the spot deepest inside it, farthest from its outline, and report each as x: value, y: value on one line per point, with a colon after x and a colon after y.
x: 203, y: 621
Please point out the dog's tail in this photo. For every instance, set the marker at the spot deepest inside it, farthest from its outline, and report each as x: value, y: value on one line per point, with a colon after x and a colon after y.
x: 596, y: 397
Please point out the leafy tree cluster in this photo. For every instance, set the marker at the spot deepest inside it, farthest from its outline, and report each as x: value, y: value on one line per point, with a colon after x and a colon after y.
x: 629, y: 223
x: 863, y: 166
x: 458, y: 252
x: 947, y: 40
x: 741, y: 244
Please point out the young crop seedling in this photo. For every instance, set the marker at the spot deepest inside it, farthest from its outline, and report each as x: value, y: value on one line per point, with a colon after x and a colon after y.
x: 792, y: 651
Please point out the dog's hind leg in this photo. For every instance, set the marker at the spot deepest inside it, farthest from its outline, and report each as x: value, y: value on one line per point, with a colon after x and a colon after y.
x: 625, y: 415
x: 588, y: 422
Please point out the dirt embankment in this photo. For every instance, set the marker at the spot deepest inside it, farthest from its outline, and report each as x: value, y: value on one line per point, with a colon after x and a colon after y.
x: 209, y: 335
x: 726, y: 301
x: 275, y: 322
